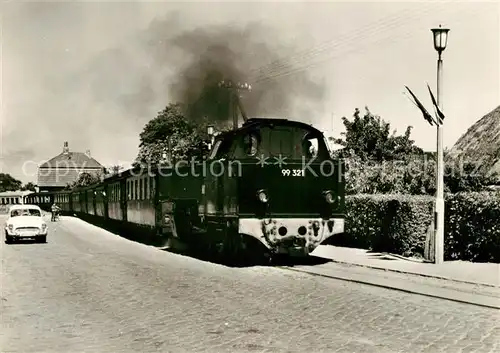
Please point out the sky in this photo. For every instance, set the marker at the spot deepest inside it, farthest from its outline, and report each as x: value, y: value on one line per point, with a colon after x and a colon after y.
x: 94, y: 73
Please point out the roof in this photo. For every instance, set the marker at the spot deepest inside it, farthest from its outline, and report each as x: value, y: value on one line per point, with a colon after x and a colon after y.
x: 71, y: 160
x: 61, y: 177
x: 264, y: 121
x: 481, y: 144
x: 14, y: 193
x: 253, y: 122
x: 17, y: 207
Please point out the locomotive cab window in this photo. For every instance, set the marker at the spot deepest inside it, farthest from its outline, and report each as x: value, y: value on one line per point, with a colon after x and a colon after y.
x: 251, y: 142
x: 292, y: 142
x: 310, y: 146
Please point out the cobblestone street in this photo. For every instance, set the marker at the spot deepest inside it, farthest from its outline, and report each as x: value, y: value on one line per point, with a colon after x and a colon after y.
x: 87, y: 290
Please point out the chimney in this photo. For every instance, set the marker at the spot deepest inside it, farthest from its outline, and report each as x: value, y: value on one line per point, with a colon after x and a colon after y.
x: 87, y: 152
x: 65, y: 148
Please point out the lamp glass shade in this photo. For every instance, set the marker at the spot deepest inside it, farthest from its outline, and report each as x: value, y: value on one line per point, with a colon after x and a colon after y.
x: 440, y: 38
x: 210, y: 130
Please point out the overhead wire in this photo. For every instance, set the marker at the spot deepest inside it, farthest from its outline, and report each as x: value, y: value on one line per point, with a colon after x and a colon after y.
x: 307, y: 55
x: 348, y: 37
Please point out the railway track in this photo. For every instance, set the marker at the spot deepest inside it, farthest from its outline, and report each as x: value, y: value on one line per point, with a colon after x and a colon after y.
x: 474, y: 294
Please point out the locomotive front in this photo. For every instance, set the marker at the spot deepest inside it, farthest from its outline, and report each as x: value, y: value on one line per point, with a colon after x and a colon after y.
x: 282, y: 187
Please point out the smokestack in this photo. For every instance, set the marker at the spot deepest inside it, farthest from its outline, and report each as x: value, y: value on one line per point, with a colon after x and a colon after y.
x: 65, y: 148
x: 88, y: 153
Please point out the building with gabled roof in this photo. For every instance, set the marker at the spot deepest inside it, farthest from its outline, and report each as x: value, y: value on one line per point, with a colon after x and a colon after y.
x: 65, y: 168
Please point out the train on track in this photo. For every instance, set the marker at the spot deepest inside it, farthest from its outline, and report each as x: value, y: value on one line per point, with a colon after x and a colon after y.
x: 270, y: 184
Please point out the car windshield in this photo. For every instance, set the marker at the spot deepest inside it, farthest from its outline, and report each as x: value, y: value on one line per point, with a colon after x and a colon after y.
x: 25, y: 212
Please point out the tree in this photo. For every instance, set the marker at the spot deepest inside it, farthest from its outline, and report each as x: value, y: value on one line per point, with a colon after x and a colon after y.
x: 85, y: 179
x: 8, y: 183
x: 28, y: 187
x: 114, y: 169
x: 172, y: 134
x: 369, y: 138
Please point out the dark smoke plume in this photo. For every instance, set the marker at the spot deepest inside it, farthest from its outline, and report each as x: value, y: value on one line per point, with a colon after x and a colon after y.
x: 202, y: 57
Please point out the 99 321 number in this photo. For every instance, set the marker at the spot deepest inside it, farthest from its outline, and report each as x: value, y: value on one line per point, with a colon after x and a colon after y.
x: 293, y: 172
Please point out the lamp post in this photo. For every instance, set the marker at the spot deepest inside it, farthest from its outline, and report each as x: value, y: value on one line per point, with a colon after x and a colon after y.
x: 210, y: 133
x: 440, y: 40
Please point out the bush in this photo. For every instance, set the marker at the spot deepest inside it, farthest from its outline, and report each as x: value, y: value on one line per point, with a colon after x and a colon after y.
x: 415, y: 175
x: 472, y: 227
x: 398, y: 224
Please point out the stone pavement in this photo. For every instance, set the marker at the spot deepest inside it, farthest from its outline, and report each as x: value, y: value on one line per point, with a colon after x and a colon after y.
x: 88, y: 290
x: 487, y: 274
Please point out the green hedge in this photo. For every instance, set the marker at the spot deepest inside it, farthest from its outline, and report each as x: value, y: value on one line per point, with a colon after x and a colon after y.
x: 398, y: 224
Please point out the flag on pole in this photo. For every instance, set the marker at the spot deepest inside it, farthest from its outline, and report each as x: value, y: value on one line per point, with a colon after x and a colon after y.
x: 420, y: 106
x: 438, y: 111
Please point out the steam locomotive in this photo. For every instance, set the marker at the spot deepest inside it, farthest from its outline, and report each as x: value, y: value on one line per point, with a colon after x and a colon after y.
x: 269, y: 184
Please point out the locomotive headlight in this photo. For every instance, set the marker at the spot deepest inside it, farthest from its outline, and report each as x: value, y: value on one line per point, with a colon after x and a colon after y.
x: 262, y: 195
x: 329, y: 197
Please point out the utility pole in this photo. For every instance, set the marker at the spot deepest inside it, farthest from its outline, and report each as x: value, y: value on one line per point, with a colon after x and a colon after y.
x: 333, y: 130
x: 234, y: 99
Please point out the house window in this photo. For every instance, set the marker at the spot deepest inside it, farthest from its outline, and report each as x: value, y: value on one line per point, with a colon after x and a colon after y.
x: 147, y: 188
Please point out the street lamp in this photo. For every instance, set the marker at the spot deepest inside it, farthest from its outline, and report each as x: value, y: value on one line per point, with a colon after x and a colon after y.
x: 210, y: 130
x: 210, y: 133
x: 440, y: 41
x: 440, y: 38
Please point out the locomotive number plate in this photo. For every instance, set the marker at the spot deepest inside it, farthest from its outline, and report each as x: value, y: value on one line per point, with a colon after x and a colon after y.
x: 293, y: 172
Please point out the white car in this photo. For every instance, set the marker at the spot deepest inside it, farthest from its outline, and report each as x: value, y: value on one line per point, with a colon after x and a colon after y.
x: 24, y: 222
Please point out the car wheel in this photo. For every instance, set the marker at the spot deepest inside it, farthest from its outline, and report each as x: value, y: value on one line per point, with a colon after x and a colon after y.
x: 42, y: 239
x: 9, y: 239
